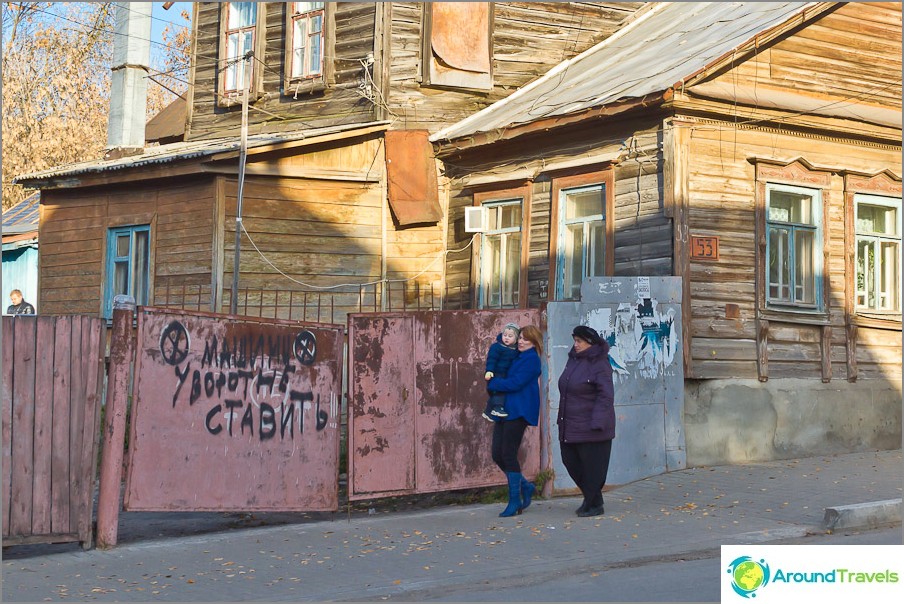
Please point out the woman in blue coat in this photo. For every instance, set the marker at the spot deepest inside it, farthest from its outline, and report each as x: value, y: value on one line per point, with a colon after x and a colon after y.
x: 522, y: 403
x: 587, y: 416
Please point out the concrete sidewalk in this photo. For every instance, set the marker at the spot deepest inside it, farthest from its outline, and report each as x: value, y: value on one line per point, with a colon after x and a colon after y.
x: 402, y: 554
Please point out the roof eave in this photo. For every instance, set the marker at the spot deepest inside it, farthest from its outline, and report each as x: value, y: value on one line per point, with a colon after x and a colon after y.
x: 480, y: 139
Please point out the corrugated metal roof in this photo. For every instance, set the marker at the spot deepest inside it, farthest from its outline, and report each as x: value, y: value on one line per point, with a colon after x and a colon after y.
x: 22, y: 217
x: 662, y: 46
x: 187, y: 150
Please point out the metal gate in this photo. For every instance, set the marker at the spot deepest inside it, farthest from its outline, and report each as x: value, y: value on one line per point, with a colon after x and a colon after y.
x: 416, y: 393
x: 52, y: 379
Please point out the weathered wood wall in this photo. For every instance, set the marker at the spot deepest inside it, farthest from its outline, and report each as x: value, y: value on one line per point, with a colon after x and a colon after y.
x: 851, y: 55
x: 643, y: 234
x: 340, y: 103
x: 52, y: 381
x: 326, y: 232
x: 529, y: 39
x: 73, y: 235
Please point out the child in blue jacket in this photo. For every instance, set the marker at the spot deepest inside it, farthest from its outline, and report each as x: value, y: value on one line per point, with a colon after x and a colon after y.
x: 499, y: 358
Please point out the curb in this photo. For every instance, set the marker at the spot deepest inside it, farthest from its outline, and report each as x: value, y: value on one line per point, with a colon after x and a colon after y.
x: 863, y: 515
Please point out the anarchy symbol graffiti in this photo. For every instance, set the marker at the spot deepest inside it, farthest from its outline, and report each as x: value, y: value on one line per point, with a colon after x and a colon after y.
x: 305, y: 348
x: 174, y: 343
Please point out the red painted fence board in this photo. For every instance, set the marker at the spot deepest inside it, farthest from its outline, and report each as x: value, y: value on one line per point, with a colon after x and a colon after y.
x: 23, y: 427
x: 43, y: 444
x: 59, y: 464
x: 7, y: 402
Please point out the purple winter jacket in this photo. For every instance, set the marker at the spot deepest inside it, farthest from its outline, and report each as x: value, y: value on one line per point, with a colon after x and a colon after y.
x: 587, y: 397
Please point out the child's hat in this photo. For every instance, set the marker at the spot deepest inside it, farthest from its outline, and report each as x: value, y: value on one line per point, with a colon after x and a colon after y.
x: 514, y: 327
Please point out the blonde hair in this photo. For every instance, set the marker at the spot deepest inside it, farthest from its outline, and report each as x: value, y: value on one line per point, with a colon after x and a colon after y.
x: 534, y: 336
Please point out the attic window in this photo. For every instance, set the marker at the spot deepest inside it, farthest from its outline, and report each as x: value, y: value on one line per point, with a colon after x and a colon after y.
x: 309, y: 44
x: 458, y: 44
x: 241, y: 24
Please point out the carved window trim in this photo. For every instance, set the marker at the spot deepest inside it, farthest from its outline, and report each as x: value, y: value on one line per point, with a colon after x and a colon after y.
x: 798, y: 174
x: 884, y: 184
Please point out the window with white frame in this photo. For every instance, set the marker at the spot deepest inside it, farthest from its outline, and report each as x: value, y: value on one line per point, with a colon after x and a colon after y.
x: 128, y: 265
x: 306, y: 56
x: 793, y: 246
x: 500, y: 255
x: 582, y: 238
x: 878, y: 232
x: 241, y: 24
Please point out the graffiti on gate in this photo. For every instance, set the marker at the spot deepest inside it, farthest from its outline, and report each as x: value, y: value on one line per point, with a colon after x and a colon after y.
x: 247, y: 382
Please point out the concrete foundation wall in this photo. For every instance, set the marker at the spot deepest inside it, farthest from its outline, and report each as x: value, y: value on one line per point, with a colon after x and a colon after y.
x: 732, y: 421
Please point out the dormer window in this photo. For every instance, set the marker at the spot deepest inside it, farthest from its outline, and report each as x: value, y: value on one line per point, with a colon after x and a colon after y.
x: 241, y: 24
x: 310, y: 35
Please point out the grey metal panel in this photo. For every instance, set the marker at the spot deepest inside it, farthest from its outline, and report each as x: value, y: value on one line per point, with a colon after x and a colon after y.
x: 659, y: 48
x: 641, y: 319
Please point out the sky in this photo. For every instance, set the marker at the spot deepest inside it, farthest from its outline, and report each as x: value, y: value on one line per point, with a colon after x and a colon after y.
x: 160, y: 18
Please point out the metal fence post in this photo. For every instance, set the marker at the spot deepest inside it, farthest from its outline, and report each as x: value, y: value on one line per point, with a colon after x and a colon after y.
x: 114, y: 430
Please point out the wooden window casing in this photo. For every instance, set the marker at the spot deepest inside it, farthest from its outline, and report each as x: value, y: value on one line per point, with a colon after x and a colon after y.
x: 857, y: 187
x: 501, y: 196
x: 307, y: 78
x: 560, y: 186
x: 128, y: 265
x: 792, y: 177
x: 230, y: 70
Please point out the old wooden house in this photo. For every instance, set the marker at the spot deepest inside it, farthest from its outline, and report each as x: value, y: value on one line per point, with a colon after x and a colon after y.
x: 751, y: 148
x: 339, y: 197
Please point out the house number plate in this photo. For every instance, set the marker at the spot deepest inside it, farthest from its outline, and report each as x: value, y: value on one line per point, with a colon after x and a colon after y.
x: 704, y: 248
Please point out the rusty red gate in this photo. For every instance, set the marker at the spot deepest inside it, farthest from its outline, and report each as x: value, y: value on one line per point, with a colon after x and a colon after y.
x: 416, y: 394
x: 52, y: 380
x: 234, y: 413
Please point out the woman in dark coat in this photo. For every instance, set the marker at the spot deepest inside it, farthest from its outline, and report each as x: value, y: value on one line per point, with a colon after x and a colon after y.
x: 587, y: 416
x: 522, y: 403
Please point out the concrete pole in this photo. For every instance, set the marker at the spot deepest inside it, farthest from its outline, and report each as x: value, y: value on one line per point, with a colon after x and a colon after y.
x: 114, y: 431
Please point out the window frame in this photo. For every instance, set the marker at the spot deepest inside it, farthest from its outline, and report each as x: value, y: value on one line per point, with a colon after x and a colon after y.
x: 306, y: 84
x: 560, y: 186
x: 493, y: 196
x: 816, y: 227
x: 800, y: 174
x: 875, y: 239
x: 882, y: 184
x: 485, y: 271
x: 230, y: 98
x: 113, y: 259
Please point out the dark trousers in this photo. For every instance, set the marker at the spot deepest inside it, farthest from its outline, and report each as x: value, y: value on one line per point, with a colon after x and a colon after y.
x: 588, y: 464
x: 507, y: 437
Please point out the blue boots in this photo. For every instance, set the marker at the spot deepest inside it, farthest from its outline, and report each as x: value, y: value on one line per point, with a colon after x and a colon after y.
x: 527, y: 491
x: 514, y: 487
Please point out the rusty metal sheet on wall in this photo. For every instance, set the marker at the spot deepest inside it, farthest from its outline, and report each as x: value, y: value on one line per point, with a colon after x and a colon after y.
x: 234, y: 414
x: 416, y: 395
x: 411, y: 171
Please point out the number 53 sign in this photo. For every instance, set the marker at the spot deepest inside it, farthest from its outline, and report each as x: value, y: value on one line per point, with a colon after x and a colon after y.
x: 704, y: 248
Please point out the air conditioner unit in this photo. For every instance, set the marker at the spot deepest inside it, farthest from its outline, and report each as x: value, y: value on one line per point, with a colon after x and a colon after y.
x: 475, y: 220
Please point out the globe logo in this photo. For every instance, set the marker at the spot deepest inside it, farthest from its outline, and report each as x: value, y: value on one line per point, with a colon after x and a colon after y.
x: 748, y: 575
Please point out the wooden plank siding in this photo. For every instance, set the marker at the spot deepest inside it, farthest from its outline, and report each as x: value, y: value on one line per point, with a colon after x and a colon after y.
x: 51, y: 427
x: 529, y: 38
x: 73, y: 231
x: 642, y: 232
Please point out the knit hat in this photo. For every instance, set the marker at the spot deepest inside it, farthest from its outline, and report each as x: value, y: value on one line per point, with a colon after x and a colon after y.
x: 588, y: 334
x: 514, y: 327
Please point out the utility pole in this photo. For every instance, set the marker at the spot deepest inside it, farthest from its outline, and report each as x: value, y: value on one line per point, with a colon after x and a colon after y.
x: 243, y: 153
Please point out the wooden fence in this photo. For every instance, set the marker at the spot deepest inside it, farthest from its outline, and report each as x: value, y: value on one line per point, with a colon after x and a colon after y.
x: 52, y: 379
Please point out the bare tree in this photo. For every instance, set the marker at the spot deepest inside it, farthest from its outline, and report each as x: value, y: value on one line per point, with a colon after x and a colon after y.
x: 56, y: 84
